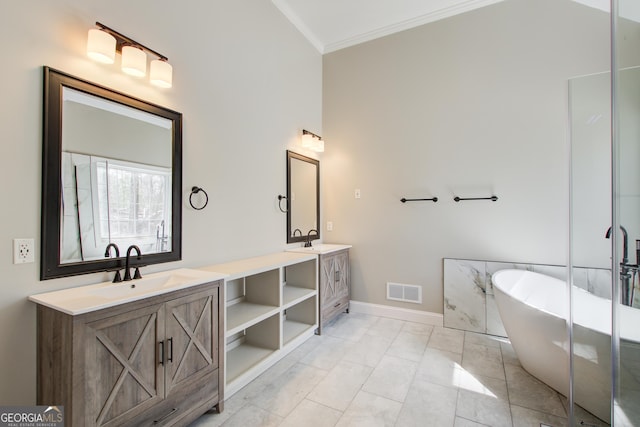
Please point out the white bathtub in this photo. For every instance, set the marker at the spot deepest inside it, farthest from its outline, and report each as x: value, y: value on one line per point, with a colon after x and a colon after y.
x: 535, y: 310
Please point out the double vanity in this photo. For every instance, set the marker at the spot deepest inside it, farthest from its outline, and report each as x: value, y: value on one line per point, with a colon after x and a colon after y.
x: 164, y: 349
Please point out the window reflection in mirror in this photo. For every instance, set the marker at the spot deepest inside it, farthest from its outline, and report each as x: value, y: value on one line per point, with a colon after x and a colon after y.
x: 303, y: 184
x: 113, y: 201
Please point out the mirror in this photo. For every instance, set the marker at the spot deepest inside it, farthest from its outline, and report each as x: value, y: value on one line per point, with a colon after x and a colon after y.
x: 111, y: 173
x: 303, y: 190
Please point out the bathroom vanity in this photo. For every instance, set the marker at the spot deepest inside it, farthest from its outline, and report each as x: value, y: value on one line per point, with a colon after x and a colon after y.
x: 144, y: 352
x: 335, y: 283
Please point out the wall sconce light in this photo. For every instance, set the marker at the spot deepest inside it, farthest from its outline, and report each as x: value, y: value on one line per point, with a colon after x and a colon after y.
x: 101, y: 46
x: 312, y: 141
x: 134, y: 61
x: 103, y: 43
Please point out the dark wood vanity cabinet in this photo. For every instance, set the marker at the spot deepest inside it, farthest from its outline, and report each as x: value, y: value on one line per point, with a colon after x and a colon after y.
x: 150, y: 362
x: 335, y: 285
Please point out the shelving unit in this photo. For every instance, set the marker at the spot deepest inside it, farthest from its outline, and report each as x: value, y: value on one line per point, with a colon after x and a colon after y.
x: 271, y: 307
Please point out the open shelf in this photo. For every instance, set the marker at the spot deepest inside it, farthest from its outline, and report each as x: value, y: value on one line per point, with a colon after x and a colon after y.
x: 244, y: 357
x: 252, y: 299
x: 299, y: 318
x: 292, y: 329
x: 293, y: 295
x: 301, y: 275
x: 244, y: 314
x: 252, y: 345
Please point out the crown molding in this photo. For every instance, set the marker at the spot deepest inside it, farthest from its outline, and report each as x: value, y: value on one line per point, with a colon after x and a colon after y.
x: 327, y: 47
x: 433, y: 16
x: 293, y: 17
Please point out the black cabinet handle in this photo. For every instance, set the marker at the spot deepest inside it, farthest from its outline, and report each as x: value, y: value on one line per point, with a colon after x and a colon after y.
x: 336, y: 276
x: 159, y: 420
x: 337, y: 305
x: 170, y: 358
x: 161, y: 350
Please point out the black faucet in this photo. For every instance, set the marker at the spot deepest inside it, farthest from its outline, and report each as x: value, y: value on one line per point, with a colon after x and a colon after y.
x: 625, y: 244
x: 308, y: 242
x: 107, y: 253
x: 127, y: 272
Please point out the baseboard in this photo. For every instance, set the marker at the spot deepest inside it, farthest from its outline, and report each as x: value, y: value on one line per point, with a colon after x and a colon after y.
x: 417, y: 316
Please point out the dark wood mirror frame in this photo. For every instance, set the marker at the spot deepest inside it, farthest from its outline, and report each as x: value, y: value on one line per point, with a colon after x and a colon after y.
x: 295, y: 156
x: 50, y: 266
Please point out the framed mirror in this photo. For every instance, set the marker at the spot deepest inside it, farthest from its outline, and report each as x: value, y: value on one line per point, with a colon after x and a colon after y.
x: 111, y: 173
x: 303, y: 196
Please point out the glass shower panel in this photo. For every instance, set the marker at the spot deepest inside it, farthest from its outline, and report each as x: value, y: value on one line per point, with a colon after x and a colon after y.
x: 626, y: 206
x: 590, y: 120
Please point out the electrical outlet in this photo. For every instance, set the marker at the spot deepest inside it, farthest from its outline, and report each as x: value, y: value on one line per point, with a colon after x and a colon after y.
x: 23, y: 251
x: 329, y: 225
x: 357, y: 193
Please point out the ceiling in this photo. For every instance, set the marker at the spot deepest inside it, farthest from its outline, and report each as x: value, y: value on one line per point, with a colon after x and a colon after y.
x: 331, y: 25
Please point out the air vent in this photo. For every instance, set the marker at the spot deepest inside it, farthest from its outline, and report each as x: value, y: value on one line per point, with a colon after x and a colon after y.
x: 405, y: 293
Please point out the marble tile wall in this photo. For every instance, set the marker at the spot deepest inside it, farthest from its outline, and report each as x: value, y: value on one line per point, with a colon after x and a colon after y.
x: 70, y: 244
x: 469, y: 301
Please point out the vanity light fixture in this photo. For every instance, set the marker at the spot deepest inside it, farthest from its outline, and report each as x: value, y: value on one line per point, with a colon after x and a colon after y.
x: 103, y: 43
x: 101, y: 46
x: 312, y: 141
x: 134, y: 61
x: 161, y: 73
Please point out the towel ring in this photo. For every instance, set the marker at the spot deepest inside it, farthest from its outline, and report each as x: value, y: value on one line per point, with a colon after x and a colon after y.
x: 196, y: 190
x: 280, y: 199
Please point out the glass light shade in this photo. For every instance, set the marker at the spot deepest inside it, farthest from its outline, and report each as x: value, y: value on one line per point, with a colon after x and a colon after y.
x: 318, y: 146
x: 307, y: 140
x: 134, y: 61
x: 161, y: 73
x: 101, y: 46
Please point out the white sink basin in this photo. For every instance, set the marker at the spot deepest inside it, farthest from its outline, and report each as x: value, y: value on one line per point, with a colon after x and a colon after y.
x: 84, y: 299
x: 140, y: 286
x: 320, y: 248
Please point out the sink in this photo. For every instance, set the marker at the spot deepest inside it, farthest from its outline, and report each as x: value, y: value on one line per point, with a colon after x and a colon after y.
x: 321, y: 248
x: 89, y: 298
x: 140, y: 286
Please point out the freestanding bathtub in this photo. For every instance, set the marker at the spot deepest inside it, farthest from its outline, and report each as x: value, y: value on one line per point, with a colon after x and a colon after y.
x: 535, y: 311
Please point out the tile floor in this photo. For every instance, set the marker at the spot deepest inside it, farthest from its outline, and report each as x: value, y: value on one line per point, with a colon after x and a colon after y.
x: 374, y: 371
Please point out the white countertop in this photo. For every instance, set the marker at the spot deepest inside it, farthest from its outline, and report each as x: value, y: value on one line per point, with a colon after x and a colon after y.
x: 320, y: 248
x: 84, y: 299
x: 249, y: 266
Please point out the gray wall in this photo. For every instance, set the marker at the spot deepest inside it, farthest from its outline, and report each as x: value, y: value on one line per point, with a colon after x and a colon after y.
x: 247, y: 83
x: 90, y: 130
x: 473, y: 105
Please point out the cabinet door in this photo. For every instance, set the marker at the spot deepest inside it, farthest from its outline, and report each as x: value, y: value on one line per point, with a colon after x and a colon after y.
x: 341, y: 275
x: 327, y: 280
x: 191, y: 343
x: 122, y: 362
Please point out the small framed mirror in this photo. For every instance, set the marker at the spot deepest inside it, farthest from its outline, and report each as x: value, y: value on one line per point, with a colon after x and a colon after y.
x: 303, y: 196
x: 111, y: 173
